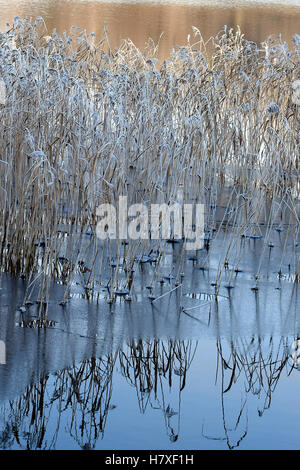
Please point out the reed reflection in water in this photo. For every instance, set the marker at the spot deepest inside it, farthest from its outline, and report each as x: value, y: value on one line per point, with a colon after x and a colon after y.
x: 78, y: 401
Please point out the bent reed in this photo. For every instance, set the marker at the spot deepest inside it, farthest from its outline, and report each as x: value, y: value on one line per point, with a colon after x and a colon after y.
x: 83, y: 124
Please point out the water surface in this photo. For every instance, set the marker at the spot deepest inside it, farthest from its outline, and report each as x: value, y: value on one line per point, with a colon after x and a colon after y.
x: 141, y: 20
x: 185, y: 371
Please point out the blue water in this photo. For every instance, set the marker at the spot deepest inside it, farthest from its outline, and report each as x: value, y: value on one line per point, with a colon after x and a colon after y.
x: 164, y: 375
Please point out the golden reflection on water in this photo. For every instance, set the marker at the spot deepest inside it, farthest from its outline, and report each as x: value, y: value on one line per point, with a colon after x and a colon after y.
x: 142, y: 20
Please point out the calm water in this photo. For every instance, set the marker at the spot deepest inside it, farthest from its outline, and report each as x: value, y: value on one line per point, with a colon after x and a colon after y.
x: 184, y: 372
x: 141, y: 20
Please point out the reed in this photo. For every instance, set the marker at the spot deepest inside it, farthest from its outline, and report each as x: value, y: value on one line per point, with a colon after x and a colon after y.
x: 82, y: 124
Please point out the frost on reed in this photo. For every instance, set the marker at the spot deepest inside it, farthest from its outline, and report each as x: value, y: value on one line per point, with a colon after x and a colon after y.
x: 82, y: 124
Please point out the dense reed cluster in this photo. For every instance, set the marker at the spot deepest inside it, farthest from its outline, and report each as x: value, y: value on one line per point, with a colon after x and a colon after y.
x: 82, y: 124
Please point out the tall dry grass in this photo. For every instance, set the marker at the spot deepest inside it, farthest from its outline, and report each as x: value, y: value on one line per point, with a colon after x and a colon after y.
x: 82, y: 124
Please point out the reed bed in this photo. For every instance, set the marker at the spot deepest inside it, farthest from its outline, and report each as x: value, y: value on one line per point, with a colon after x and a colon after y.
x: 82, y: 124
